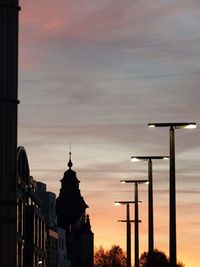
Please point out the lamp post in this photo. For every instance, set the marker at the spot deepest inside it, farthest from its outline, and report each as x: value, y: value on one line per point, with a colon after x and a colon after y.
x: 150, y: 201
x: 136, y: 182
x: 172, y: 183
x: 9, y: 13
x: 128, y: 229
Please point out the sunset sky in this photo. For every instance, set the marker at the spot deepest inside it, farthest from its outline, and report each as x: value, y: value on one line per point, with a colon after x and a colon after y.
x: 94, y: 73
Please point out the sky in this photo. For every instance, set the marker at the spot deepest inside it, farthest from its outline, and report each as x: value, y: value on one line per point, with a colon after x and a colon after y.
x: 93, y: 74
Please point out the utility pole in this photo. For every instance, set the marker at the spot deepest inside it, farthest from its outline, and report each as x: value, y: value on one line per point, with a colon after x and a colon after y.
x: 9, y: 10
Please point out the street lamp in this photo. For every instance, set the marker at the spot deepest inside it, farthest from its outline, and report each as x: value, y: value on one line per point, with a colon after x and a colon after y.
x: 150, y: 200
x: 172, y: 182
x: 136, y: 182
x: 128, y: 229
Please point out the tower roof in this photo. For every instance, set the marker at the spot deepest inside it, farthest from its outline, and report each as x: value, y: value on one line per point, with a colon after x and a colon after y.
x: 70, y: 175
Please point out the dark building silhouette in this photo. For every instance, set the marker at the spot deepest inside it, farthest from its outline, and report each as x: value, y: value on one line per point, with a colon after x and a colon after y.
x: 40, y: 242
x: 56, y: 236
x: 62, y: 249
x: 48, y: 207
x: 71, y: 215
x: 31, y: 226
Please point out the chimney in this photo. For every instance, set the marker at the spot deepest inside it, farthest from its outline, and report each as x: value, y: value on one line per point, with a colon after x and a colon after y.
x: 9, y: 10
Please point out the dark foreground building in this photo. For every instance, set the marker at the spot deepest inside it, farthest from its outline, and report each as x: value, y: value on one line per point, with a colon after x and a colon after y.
x: 31, y: 226
x: 71, y: 216
x: 40, y: 243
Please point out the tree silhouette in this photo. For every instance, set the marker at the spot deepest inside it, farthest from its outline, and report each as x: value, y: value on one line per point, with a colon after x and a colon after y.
x: 159, y: 260
x: 115, y: 257
x: 100, y: 258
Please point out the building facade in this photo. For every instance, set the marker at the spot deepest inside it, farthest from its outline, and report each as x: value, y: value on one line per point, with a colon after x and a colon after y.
x: 62, y: 249
x: 56, y: 236
x: 31, y: 226
x: 48, y: 207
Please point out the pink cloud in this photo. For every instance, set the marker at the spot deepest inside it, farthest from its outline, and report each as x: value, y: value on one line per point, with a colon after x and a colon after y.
x: 51, y: 19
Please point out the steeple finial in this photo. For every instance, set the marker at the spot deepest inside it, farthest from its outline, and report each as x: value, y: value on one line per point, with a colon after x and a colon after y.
x: 70, y: 164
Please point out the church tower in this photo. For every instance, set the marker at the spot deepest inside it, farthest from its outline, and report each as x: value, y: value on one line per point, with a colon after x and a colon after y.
x: 71, y: 216
x: 70, y: 205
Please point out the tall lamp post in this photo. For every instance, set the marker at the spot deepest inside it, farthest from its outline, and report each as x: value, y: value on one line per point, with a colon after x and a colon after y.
x: 150, y: 200
x: 172, y: 183
x: 136, y: 182
x: 9, y: 13
x: 128, y: 229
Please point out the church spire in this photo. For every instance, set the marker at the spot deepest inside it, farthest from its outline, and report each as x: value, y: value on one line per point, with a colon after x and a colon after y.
x: 70, y: 164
